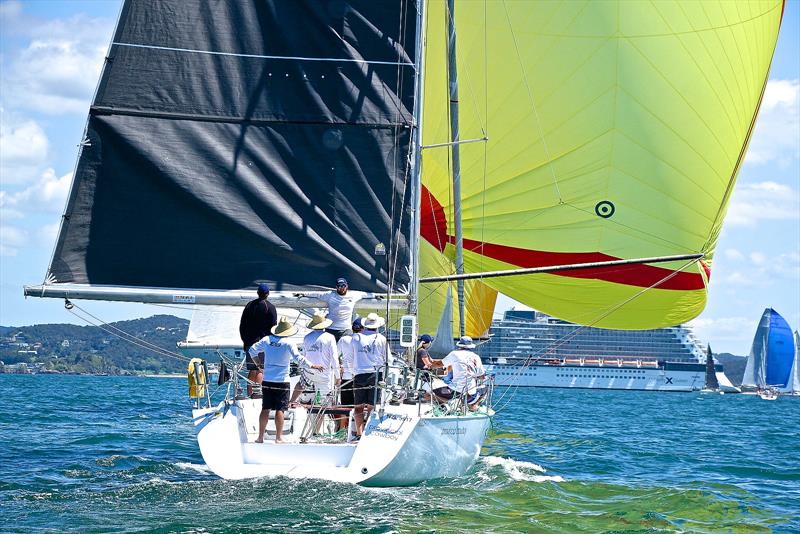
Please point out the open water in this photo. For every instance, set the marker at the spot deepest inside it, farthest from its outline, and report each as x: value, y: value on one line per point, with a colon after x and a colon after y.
x: 118, y: 454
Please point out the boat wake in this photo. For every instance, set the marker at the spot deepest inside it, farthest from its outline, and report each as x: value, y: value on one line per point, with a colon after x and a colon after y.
x: 520, y: 470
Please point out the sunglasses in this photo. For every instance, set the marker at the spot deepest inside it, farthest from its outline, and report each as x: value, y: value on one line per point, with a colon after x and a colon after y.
x: 341, y: 285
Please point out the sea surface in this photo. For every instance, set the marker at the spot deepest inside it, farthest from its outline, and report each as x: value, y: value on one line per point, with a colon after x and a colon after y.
x: 118, y: 454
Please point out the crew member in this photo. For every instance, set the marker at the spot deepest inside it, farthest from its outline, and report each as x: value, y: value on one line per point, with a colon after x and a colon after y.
x: 345, y: 346
x: 341, y: 304
x: 258, y: 318
x: 369, y: 355
x: 278, y: 351
x: 466, y: 367
x: 319, y: 347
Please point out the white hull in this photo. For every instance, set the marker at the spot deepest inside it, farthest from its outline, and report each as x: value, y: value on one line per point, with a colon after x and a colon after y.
x: 399, y: 447
x: 599, y: 377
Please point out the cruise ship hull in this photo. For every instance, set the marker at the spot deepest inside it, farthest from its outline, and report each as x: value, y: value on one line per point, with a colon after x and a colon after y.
x: 530, y: 349
x: 675, y: 377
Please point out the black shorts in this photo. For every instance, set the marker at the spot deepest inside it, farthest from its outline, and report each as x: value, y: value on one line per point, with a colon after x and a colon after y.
x: 365, y: 388
x: 275, y: 396
x: 338, y: 333
x: 443, y: 392
x: 348, y: 398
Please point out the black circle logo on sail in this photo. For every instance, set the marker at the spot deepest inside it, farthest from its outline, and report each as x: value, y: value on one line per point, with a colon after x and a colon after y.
x: 604, y: 209
x: 332, y: 139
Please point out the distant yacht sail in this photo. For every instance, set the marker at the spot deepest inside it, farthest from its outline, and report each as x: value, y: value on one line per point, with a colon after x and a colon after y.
x: 711, y: 375
x: 793, y: 384
x: 772, y: 354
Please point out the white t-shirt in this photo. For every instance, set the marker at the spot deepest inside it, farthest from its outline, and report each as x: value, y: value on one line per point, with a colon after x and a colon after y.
x: 278, y: 351
x: 320, y: 347
x: 340, y: 308
x: 467, y: 366
x: 345, y: 346
x: 369, y: 351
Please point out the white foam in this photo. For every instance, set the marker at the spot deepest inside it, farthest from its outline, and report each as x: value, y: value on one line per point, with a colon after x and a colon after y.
x: 203, y: 468
x: 520, y: 470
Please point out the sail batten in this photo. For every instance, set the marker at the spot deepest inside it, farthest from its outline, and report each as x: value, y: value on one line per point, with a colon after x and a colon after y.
x: 262, y: 56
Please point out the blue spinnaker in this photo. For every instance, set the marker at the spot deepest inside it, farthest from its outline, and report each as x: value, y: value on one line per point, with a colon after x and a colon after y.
x: 780, y: 350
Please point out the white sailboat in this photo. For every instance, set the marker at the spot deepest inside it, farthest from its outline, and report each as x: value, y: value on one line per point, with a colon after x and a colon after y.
x: 231, y: 143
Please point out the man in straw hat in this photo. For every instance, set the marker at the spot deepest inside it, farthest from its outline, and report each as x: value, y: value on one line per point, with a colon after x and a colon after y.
x: 466, y: 366
x: 369, y: 355
x: 258, y: 318
x: 278, y: 351
x: 319, y: 347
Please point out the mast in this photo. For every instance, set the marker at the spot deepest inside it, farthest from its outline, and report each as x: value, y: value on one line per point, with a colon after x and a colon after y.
x: 452, y: 75
x: 416, y: 146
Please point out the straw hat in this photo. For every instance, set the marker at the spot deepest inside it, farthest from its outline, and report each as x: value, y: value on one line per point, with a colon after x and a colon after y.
x: 465, y: 343
x: 319, y: 322
x: 373, y: 321
x: 284, y: 328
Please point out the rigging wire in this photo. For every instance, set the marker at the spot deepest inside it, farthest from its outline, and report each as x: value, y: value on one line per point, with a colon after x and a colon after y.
x: 125, y: 336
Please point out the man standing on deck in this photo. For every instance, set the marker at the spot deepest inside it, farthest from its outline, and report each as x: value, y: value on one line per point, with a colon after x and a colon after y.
x: 345, y: 346
x: 278, y: 351
x: 341, y: 304
x: 369, y: 356
x: 319, y: 347
x: 258, y: 318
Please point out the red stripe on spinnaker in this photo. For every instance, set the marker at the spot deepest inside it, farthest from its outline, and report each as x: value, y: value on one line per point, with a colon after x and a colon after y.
x: 433, y: 228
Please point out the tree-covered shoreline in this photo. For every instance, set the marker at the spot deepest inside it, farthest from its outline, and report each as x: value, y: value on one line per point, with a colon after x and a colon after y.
x: 68, y: 348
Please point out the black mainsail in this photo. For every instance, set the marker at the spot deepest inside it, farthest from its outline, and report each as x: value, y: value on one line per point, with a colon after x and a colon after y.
x: 235, y: 142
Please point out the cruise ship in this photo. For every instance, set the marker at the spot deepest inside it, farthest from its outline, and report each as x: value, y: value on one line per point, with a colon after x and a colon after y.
x: 529, y: 348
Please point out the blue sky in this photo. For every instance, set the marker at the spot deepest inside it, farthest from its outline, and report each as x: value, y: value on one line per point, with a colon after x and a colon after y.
x: 50, y: 58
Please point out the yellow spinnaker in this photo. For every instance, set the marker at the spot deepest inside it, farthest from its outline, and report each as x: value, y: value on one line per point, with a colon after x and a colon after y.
x: 616, y: 130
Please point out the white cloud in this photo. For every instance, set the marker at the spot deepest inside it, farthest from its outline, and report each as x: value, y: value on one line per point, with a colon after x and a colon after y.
x: 761, y: 271
x: 741, y: 279
x: 47, y: 234
x: 776, y: 137
x: 23, y: 149
x: 11, y: 239
x: 58, y: 70
x: 48, y: 195
x: 728, y: 331
x: 733, y: 254
x: 10, y: 11
x: 762, y: 201
x: 722, y: 324
x: 758, y: 258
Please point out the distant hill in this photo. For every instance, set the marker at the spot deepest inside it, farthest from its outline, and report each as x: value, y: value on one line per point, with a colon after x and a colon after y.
x: 90, y: 349
x: 733, y: 366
